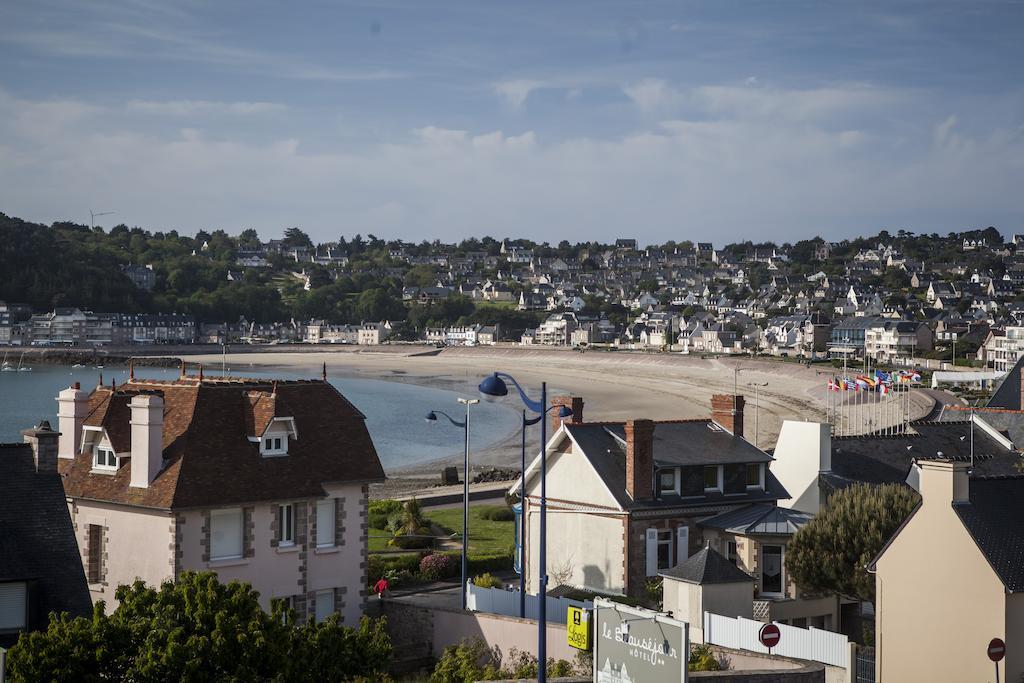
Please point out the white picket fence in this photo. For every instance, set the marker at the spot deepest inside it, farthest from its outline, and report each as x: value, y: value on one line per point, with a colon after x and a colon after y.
x: 800, y: 643
x: 506, y: 602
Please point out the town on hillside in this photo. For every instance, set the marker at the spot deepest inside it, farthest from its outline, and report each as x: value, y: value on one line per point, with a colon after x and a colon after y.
x: 953, y: 299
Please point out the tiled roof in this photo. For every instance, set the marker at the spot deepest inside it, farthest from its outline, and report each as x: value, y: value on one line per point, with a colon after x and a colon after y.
x: 209, y: 459
x: 705, y: 567
x: 995, y: 519
x: 1008, y: 394
x: 36, y: 537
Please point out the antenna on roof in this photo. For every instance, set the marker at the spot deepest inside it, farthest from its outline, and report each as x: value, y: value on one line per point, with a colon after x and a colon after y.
x: 200, y: 372
x: 324, y: 374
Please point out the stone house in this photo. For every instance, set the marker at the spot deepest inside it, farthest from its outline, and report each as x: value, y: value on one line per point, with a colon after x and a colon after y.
x: 261, y: 481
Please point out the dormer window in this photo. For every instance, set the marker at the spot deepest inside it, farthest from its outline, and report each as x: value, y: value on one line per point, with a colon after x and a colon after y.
x: 104, y: 459
x: 276, y: 444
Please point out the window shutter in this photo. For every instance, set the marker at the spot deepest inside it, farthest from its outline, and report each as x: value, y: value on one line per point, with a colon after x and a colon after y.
x: 13, y: 598
x: 225, y: 534
x: 682, y: 544
x: 652, y: 552
x: 324, y: 604
x: 325, y: 523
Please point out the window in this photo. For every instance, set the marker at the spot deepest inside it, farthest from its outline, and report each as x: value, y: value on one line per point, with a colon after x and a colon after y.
x: 325, y: 523
x: 275, y: 445
x: 771, y: 569
x: 104, y: 459
x: 731, y: 554
x: 735, y: 477
x: 667, y: 482
x: 286, y: 525
x: 226, y: 534
x: 94, y: 546
x: 691, y: 481
x: 13, y: 605
x: 324, y: 604
x: 665, y: 549
x: 755, y: 476
x: 711, y: 482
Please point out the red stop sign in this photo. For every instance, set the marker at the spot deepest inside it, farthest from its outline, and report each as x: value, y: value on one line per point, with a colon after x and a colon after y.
x: 770, y: 635
x: 996, y: 649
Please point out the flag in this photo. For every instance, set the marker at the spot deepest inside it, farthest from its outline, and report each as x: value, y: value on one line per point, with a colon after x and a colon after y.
x: 916, y: 377
x: 833, y: 385
x: 883, y: 388
x: 883, y: 376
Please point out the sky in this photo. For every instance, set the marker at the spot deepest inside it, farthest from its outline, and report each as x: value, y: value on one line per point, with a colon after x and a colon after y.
x: 715, y: 121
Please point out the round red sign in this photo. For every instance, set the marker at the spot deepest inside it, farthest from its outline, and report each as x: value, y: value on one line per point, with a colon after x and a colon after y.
x: 996, y: 649
x: 770, y: 635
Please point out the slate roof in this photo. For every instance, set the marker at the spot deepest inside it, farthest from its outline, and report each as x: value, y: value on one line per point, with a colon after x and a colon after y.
x: 37, y: 540
x: 705, y: 567
x: 759, y: 519
x: 603, y: 444
x: 209, y: 459
x: 888, y: 459
x: 995, y: 519
x: 1008, y: 394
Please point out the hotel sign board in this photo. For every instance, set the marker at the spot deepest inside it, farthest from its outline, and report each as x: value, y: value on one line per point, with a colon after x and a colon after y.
x: 633, y: 645
x: 578, y: 628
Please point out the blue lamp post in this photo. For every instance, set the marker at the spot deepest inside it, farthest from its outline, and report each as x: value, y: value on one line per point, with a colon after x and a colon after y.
x: 432, y: 418
x: 563, y: 412
x: 493, y: 387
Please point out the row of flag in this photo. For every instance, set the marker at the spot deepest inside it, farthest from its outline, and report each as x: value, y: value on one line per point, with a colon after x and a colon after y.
x: 881, y: 381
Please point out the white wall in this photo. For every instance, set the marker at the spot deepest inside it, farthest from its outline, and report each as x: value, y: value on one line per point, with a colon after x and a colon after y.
x: 802, y: 451
x: 591, y: 545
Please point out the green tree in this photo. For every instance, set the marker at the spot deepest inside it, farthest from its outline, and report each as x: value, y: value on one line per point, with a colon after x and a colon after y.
x: 196, y: 629
x: 831, y: 553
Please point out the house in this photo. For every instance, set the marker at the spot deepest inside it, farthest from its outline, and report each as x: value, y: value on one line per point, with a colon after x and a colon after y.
x: 372, y: 334
x: 142, y: 277
x: 889, y: 340
x: 258, y: 480
x: 706, y: 582
x: 624, y: 498
x: 40, y: 568
x: 810, y: 463
x: 955, y: 566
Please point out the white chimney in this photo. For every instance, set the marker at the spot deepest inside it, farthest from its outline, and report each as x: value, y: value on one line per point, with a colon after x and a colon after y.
x: 944, y: 481
x: 72, y: 407
x: 147, y: 438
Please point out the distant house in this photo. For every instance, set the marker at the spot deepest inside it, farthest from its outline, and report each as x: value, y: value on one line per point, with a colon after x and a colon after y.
x: 626, y: 244
x: 142, y: 277
x: 371, y: 334
x: 40, y: 568
x: 258, y: 480
x: 955, y: 566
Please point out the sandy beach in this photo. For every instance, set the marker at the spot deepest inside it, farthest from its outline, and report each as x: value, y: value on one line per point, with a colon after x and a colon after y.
x: 614, y: 385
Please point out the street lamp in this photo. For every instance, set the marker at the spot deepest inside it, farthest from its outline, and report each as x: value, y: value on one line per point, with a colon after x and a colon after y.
x: 563, y: 412
x: 432, y: 418
x: 492, y: 388
x: 757, y: 406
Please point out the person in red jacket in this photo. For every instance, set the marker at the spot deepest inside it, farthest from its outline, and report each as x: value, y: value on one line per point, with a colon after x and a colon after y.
x: 380, y: 587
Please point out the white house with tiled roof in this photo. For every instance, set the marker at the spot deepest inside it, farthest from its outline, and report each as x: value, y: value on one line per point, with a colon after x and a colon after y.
x: 261, y: 481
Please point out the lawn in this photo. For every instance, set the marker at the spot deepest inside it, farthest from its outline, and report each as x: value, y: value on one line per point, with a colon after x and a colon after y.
x: 485, y: 536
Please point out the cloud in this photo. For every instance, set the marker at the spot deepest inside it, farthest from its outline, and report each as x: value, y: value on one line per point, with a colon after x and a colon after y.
x: 757, y: 167
x: 515, y: 92
x: 201, y: 107
x: 653, y: 95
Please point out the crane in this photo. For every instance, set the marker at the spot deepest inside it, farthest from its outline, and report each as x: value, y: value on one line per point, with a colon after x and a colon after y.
x: 93, y: 215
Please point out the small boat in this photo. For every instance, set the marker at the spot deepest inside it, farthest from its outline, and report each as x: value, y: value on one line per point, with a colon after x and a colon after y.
x: 7, y: 367
x: 21, y: 366
x: 78, y: 365
x: 99, y: 367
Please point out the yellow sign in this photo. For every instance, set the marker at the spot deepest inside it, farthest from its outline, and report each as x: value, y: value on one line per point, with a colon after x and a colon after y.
x: 578, y: 628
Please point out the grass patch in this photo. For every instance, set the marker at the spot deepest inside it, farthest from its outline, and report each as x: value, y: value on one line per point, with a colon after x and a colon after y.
x: 485, y: 536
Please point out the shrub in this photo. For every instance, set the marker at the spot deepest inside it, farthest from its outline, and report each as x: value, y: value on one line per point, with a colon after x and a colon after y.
x: 478, y: 564
x: 703, y: 659
x: 472, y: 661
x: 380, y: 511
x: 379, y: 565
x: 399, y: 577
x: 411, y: 542
x: 498, y: 514
x: 437, y: 566
x: 487, y: 580
x: 394, y: 522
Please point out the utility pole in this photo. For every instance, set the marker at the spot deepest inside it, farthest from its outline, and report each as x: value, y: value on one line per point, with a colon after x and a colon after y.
x: 94, y: 214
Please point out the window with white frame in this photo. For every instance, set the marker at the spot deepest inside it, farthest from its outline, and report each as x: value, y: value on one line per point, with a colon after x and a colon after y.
x: 325, y: 527
x: 286, y: 525
x: 275, y: 444
x: 13, y: 605
x: 665, y: 549
x: 755, y: 475
x: 712, y: 478
x: 103, y: 458
x: 324, y: 604
x: 226, y: 534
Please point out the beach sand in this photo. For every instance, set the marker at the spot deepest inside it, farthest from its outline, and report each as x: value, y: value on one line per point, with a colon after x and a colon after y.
x: 614, y: 385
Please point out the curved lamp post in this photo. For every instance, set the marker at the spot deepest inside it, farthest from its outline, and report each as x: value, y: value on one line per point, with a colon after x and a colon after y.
x: 494, y: 387
x: 563, y: 412
x: 432, y: 419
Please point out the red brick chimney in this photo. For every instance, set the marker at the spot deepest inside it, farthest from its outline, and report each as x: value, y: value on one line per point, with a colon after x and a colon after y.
x: 640, y: 459
x: 727, y: 411
x: 575, y: 404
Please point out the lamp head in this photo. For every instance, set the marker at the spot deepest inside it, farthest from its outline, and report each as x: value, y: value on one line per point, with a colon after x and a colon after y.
x: 564, y: 411
x: 431, y: 417
x: 493, y: 387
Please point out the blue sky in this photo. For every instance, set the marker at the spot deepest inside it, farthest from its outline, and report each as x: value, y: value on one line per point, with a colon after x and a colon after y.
x: 715, y: 120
